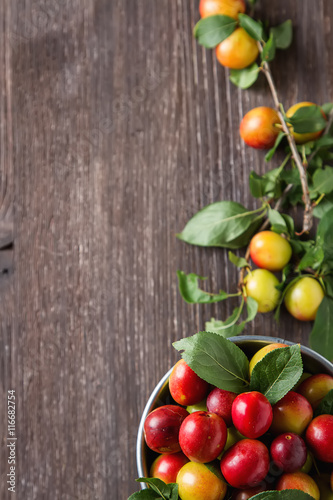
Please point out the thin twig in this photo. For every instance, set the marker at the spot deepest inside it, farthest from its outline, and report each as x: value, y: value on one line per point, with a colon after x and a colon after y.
x: 308, y: 217
x: 247, y: 258
x: 280, y: 201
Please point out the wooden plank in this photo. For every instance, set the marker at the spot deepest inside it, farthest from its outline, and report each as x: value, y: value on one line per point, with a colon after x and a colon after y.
x: 116, y: 127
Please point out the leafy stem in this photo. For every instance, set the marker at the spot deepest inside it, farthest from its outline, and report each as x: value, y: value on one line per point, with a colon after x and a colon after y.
x: 238, y: 315
x: 283, y: 196
x: 247, y: 258
x: 308, y: 216
x: 315, y: 203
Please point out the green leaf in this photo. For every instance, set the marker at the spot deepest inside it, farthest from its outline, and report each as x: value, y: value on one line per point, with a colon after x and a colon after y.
x: 316, y: 161
x: 321, y: 334
x: 212, y: 30
x: 301, y: 247
x: 327, y: 264
x: 147, y: 494
x: 221, y: 327
x: 322, y: 180
x: 313, y: 251
x: 222, y: 224
x: 252, y: 27
x: 144, y: 495
x: 216, y: 360
x: 281, y: 223
x: 325, y: 155
x: 163, y: 490
x: 277, y: 219
x: 278, y: 228
x: 306, y: 148
x: 324, y: 142
x: 282, y: 495
x: 252, y: 308
x: 291, y: 176
x: 238, y: 261
x: 324, y: 206
x: 307, y: 119
x: 230, y: 327
x: 283, y: 34
x: 289, y: 222
x: 277, y: 373
x: 327, y: 107
x: 285, y: 273
x: 267, y: 184
x: 258, y: 185
x: 244, y: 238
x: 268, y: 52
x: 313, y: 258
x: 325, y: 406
x: 246, y: 77
x: 295, y: 196
x: 325, y: 225
x: 328, y: 283
x: 173, y: 491
x: 325, y: 237
x: 272, y: 151
x: 215, y: 469
x: 321, y: 154
x: 192, y: 294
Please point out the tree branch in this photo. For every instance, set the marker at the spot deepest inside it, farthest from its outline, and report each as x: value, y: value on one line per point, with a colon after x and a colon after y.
x: 308, y: 216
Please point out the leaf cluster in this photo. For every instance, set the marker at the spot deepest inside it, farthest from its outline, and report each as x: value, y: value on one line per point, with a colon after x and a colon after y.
x: 162, y: 491
x: 230, y: 225
x: 213, y: 30
x: 313, y: 257
x: 223, y: 364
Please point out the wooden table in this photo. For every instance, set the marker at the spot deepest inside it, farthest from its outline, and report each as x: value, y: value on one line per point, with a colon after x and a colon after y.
x: 116, y: 127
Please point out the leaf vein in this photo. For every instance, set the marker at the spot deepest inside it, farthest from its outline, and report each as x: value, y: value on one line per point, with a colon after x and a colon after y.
x: 224, y: 368
x: 270, y: 388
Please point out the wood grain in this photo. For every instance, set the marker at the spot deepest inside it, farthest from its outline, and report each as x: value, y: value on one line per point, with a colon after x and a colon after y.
x: 116, y: 127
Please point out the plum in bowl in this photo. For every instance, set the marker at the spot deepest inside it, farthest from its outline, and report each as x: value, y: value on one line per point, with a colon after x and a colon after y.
x: 313, y: 363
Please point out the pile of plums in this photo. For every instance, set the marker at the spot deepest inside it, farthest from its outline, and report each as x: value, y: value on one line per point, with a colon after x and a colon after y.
x: 214, y: 441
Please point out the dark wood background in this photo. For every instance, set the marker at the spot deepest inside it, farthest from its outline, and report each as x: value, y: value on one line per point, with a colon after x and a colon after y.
x: 115, y: 128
